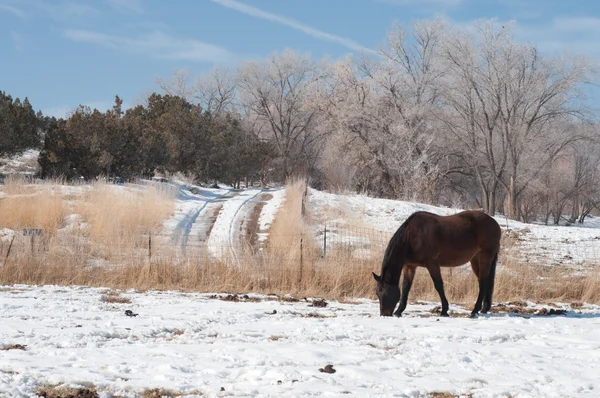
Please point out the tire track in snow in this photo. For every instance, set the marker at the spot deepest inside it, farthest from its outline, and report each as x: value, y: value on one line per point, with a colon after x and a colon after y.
x: 224, y: 233
x: 195, y: 201
x: 250, y: 227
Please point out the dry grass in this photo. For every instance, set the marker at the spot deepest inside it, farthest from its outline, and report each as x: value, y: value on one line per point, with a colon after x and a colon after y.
x: 338, y: 276
x: 31, y: 206
x: 114, y: 213
x: 63, y: 392
x: 162, y: 393
x: 114, y: 298
x: 13, y: 347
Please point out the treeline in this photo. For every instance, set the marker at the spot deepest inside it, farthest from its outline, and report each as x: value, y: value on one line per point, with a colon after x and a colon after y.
x: 167, y: 135
x: 442, y: 114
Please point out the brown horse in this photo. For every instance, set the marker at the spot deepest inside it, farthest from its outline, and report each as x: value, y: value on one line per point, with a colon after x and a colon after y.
x: 432, y: 241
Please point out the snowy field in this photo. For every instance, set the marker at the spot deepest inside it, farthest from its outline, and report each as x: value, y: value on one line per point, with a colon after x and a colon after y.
x: 197, y: 345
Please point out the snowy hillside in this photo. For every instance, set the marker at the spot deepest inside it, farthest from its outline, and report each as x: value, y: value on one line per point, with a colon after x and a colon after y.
x: 24, y: 164
x: 574, y: 245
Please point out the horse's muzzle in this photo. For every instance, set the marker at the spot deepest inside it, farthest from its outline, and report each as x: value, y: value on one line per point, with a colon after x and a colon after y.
x: 386, y: 312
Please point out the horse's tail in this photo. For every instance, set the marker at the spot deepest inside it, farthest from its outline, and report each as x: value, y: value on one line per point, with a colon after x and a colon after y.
x: 491, y: 278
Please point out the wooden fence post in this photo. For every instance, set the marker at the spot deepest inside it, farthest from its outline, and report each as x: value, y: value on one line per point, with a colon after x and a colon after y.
x: 301, y: 259
x: 8, y: 252
x: 325, y: 240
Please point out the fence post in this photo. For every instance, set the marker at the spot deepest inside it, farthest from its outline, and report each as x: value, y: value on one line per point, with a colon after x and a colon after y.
x: 324, y: 239
x: 149, y: 246
x: 301, y: 259
x: 8, y: 252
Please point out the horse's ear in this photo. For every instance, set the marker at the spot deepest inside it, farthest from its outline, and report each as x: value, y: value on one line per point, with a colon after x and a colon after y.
x: 377, y: 277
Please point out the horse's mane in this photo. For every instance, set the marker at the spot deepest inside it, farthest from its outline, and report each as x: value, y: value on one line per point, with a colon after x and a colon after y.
x: 395, y: 250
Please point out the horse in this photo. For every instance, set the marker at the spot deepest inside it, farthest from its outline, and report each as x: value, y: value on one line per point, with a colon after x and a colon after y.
x: 433, y: 241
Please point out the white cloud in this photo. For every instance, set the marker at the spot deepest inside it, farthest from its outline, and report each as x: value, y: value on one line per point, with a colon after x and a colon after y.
x: 18, y: 40
x: 13, y: 10
x: 156, y: 44
x: 577, y: 24
x: 309, y: 30
x: 63, y: 10
x: 439, y: 3
x: 131, y: 6
x: 64, y: 111
x: 570, y: 35
x: 57, y: 111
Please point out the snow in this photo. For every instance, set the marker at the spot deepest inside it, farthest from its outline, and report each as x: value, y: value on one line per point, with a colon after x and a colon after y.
x: 192, y: 344
x: 224, y: 235
x: 192, y: 208
x: 267, y: 214
x: 24, y: 164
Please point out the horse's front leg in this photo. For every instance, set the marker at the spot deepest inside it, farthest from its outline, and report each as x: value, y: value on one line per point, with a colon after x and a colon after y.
x: 436, y: 276
x: 407, y: 280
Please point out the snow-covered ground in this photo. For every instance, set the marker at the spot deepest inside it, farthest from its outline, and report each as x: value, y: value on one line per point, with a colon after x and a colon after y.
x: 193, y: 344
x: 224, y: 237
x: 23, y: 164
x: 191, y: 220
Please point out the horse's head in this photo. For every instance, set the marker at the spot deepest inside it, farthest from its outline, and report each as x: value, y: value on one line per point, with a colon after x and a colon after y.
x: 388, y: 295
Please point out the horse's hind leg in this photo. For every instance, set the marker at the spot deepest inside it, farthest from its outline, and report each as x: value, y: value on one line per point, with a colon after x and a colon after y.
x: 436, y: 276
x: 487, y: 300
x: 407, y: 280
x: 484, y: 260
x: 475, y: 268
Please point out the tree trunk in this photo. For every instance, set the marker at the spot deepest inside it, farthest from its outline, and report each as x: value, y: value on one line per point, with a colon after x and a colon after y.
x: 492, y: 202
x: 512, y: 200
x: 484, y: 199
x: 574, y: 211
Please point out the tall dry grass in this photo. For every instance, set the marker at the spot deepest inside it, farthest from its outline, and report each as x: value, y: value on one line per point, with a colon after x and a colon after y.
x: 113, y: 211
x: 25, y: 205
x: 337, y: 276
x: 291, y: 262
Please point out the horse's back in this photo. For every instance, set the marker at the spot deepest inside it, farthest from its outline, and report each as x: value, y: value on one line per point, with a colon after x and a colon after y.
x: 453, y: 239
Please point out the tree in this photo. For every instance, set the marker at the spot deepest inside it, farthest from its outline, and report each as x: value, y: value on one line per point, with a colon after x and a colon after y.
x: 216, y: 92
x: 380, y: 110
x: 20, y: 126
x: 506, y: 104
x: 274, y: 95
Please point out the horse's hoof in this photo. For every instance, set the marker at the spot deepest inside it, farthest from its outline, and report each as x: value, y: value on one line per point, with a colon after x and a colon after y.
x: 474, y: 315
x: 445, y: 315
x: 398, y: 314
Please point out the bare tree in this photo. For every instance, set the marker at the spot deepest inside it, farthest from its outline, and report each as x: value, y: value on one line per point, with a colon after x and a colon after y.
x: 216, y: 91
x: 178, y: 85
x: 380, y: 111
x: 505, y: 101
x: 585, y: 156
x: 274, y: 95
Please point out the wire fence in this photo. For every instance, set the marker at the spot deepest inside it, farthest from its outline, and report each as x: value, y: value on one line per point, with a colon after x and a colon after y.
x: 333, y: 240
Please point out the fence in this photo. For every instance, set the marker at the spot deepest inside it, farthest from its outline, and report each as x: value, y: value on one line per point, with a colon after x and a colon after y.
x: 334, y: 239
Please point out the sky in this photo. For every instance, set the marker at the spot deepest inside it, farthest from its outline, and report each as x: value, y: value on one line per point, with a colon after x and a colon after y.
x: 62, y: 53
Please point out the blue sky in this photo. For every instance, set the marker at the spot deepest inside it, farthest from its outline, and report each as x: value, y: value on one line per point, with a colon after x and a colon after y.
x: 61, y: 53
